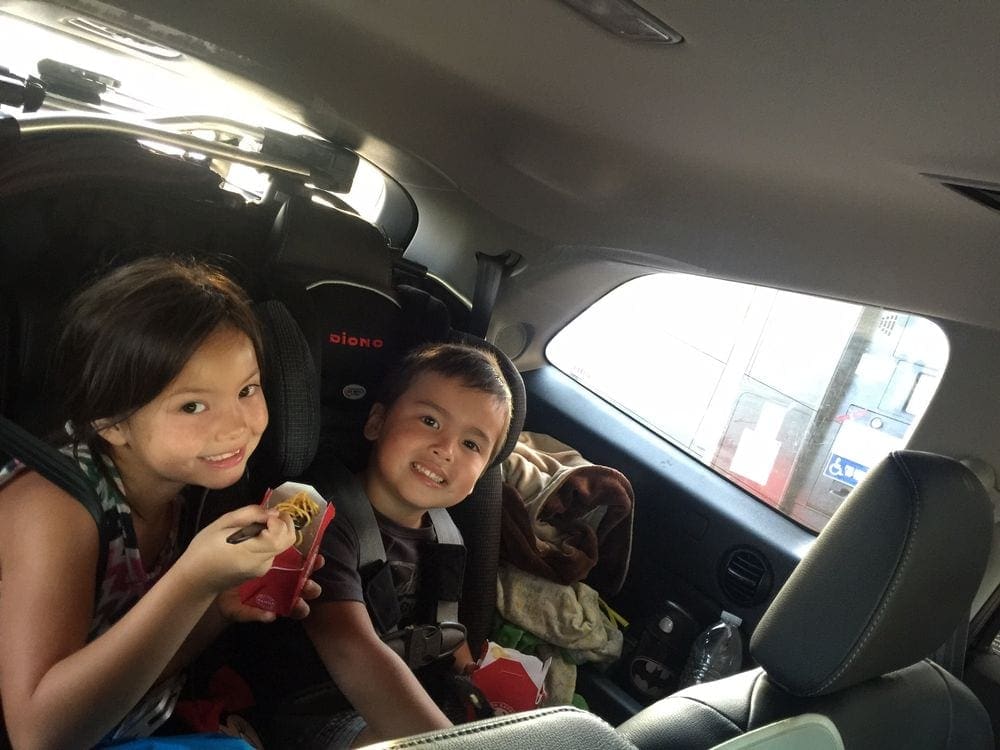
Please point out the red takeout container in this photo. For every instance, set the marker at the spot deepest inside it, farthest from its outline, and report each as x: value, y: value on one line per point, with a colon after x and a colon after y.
x: 277, y: 590
x: 510, y: 680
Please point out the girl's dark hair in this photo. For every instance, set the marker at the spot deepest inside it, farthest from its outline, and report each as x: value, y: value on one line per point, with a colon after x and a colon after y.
x: 129, y: 334
x: 474, y: 367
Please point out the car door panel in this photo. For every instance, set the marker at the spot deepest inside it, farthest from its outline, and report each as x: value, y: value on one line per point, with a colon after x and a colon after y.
x: 687, y: 518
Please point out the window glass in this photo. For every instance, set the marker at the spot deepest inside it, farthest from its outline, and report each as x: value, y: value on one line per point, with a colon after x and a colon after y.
x: 792, y: 397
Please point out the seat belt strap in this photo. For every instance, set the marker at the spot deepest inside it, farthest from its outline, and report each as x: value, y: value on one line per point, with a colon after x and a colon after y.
x: 490, y: 271
x: 444, y: 527
x: 419, y: 645
x: 62, y: 471
x: 333, y: 479
x: 50, y: 463
x: 447, y: 533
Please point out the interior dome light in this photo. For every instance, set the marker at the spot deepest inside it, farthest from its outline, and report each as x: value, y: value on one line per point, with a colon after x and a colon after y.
x: 625, y: 19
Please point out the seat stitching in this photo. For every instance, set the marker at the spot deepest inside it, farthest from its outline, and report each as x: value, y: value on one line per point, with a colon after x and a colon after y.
x: 897, y: 576
x: 490, y: 726
x: 753, y: 697
x: 950, y: 694
x: 356, y: 285
x: 734, y: 725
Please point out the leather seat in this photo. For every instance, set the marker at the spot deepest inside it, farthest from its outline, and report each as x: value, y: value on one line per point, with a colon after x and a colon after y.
x: 561, y: 728
x: 887, y: 581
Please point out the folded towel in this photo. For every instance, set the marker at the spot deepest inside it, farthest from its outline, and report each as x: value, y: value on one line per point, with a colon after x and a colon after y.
x: 567, y: 619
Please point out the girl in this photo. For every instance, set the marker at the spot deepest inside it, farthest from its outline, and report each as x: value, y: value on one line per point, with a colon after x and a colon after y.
x: 158, y: 373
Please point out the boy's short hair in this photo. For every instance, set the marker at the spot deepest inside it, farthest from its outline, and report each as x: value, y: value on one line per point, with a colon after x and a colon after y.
x: 476, y: 368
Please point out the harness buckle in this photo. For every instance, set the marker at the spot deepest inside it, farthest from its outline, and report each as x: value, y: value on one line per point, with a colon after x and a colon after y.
x: 420, y: 645
x: 424, y: 646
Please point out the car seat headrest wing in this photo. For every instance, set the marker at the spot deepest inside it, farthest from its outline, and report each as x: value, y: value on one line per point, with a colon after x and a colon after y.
x: 517, y: 393
x: 291, y: 387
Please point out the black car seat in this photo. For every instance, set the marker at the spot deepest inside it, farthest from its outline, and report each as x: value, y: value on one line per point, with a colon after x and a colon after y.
x: 334, y: 272
x: 886, y: 582
x: 291, y: 385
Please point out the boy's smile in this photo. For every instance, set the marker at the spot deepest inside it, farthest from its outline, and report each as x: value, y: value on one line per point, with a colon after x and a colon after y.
x: 431, y: 446
x: 430, y: 474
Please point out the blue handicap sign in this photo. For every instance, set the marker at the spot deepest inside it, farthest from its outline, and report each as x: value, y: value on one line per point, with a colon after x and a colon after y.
x: 844, y: 470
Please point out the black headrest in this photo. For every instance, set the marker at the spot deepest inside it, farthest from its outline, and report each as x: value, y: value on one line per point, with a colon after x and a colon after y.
x: 886, y: 582
x: 360, y: 338
x: 334, y: 272
x: 357, y: 323
x: 291, y: 387
x: 28, y: 338
x: 317, y: 242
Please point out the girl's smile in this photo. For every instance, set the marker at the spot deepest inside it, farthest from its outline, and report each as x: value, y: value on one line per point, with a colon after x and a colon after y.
x: 201, y: 429
x: 225, y: 460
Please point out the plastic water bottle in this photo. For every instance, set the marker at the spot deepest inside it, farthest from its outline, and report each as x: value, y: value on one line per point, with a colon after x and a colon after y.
x: 717, y: 652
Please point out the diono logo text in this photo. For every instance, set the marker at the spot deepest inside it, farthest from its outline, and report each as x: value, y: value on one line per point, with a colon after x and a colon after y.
x: 343, y: 338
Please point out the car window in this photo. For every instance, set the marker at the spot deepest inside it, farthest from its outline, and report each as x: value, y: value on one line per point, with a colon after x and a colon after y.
x: 792, y: 397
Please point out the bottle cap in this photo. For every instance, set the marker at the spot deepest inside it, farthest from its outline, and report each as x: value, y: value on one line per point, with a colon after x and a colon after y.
x: 731, y: 619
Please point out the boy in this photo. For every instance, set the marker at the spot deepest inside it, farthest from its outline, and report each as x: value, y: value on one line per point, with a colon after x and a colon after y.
x: 442, y: 418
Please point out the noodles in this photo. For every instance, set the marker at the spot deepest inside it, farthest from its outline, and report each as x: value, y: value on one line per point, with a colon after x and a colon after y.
x: 301, y: 508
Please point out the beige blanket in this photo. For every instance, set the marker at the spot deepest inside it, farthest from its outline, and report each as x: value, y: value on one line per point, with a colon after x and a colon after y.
x: 565, y: 518
x: 568, y: 618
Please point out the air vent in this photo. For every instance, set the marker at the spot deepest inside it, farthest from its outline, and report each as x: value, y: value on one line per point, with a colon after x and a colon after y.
x: 745, y: 576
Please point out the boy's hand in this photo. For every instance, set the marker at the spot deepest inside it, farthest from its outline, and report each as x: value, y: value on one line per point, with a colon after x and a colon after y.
x: 310, y: 590
x: 464, y: 663
x: 234, y: 610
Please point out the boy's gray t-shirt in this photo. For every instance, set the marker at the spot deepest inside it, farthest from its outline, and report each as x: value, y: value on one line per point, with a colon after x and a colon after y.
x: 341, y: 580
x: 278, y: 660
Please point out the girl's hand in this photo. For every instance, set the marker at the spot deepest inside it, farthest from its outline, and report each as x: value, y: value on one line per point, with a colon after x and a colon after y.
x: 215, y: 564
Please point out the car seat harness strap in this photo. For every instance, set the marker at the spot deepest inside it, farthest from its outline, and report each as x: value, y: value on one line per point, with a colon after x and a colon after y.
x: 490, y: 271
x: 418, y: 645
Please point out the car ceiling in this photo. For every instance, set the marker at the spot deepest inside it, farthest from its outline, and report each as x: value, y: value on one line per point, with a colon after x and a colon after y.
x: 785, y: 143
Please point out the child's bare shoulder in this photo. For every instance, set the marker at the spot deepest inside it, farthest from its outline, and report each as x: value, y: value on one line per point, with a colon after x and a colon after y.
x: 34, y: 511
